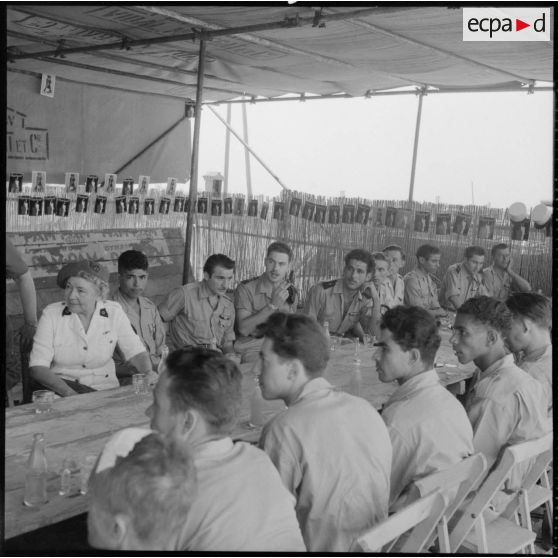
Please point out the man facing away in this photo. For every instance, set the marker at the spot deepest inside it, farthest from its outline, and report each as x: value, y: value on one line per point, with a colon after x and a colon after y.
x: 331, y: 449
x: 505, y: 405
x: 463, y: 281
x: 257, y: 298
x: 529, y: 337
x: 396, y: 258
x: 201, y: 313
x: 350, y: 304
x: 420, y: 288
x: 140, y: 501
x: 241, y: 504
x: 500, y: 279
x: 142, y: 312
x: 428, y: 427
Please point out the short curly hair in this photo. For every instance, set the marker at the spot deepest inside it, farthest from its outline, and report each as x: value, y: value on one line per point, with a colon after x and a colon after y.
x: 101, y: 285
x: 533, y: 306
x: 413, y: 328
x: 488, y: 311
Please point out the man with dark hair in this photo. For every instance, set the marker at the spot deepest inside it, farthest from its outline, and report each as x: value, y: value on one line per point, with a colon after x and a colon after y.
x: 331, y: 449
x: 202, y: 313
x: 499, y: 279
x: 428, y: 427
x: 257, y: 298
x: 142, y: 312
x: 463, y: 281
x: 140, y: 502
x: 396, y: 258
x: 505, y: 405
x: 529, y: 337
x: 241, y: 504
x: 420, y: 287
x: 350, y: 304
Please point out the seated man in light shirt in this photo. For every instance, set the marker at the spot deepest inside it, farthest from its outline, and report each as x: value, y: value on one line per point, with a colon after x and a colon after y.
x: 500, y: 279
x: 241, y: 504
x: 257, y: 298
x: 202, y: 313
x: 463, y: 280
x: 420, y: 283
x: 428, y: 427
x: 529, y: 337
x: 505, y: 404
x: 140, y: 501
x: 382, y: 282
x: 396, y: 258
x: 350, y: 305
x: 331, y: 449
x: 142, y: 312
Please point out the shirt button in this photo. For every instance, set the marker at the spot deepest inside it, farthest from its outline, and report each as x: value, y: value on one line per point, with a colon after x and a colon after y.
x: 83, y: 366
x: 85, y: 348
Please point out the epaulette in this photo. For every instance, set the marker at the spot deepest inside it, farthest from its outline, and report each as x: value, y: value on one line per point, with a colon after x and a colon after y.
x: 103, y: 313
x: 249, y: 280
x: 66, y: 311
x: 458, y: 268
x: 328, y: 284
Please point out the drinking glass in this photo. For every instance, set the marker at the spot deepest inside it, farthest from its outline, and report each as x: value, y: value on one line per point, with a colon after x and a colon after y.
x: 68, y: 474
x: 139, y: 381
x: 87, y: 464
x: 356, y: 354
x: 43, y: 399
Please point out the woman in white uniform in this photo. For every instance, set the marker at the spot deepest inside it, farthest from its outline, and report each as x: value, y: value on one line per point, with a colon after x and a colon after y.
x: 75, y: 339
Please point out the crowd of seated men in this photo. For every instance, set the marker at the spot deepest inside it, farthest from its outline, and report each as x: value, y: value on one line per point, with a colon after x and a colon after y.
x: 329, y: 466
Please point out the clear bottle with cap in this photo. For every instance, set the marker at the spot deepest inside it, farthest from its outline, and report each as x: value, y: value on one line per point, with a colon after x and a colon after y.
x: 164, y: 355
x: 213, y: 344
x: 35, y: 492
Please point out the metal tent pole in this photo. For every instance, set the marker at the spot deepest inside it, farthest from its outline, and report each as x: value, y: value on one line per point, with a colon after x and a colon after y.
x: 415, y: 147
x: 186, y: 272
x: 227, y: 151
x: 247, y: 153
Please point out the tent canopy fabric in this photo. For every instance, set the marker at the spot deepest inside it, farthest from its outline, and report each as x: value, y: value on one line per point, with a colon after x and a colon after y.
x: 358, y: 49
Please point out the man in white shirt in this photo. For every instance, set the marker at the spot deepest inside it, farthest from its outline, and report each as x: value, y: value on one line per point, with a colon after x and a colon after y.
x: 505, y: 405
x: 331, y: 449
x: 428, y: 427
x: 396, y: 258
x: 241, y: 504
x: 529, y: 337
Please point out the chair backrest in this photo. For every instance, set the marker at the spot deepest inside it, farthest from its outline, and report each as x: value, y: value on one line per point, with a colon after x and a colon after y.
x: 419, y: 519
x: 540, y: 449
x: 465, y: 476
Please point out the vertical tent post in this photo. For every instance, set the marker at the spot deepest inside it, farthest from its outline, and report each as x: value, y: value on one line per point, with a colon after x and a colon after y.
x: 227, y: 150
x: 186, y: 272
x: 415, y: 147
x: 246, y: 152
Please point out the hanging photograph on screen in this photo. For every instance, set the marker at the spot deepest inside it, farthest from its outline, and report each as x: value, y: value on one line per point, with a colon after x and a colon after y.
x: 319, y: 214
x: 239, y: 206
x: 143, y: 185
x: 278, y: 210
x: 264, y: 211
x: 486, y: 227
x: 390, y: 216
x: 520, y: 230
x: 422, y: 221
x: 379, y: 216
x: 110, y: 183
x: 164, y: 205
x: 91, y: 183
x: 348, y: 216
x: 48, y: 205
x: 81, y: 203
x: 186, y: 205
x: 15, y: 184
x: 462, y: 223
x: 36, y: 207
x: 202, y: 205
x: 227, y: 206
x: 48, y: 83
x: 38, y: 182
x: 120, y: 203
x: 178, y: 204
x: 362, y: 214
x: 308, y: 210
x: 171, y: 186
x: 148, y: 206
x: 402, y: 218
x: 333, y: 217
x: 100, y: 204
x: 71, y: 182
x: 128, y: 186
x: 23, y: 205
x: 253, y: 208
x: 133, y: 206
x: 294, y: 207
x: 62, y: 207
x: 216, y: 208
x: 443, y: 223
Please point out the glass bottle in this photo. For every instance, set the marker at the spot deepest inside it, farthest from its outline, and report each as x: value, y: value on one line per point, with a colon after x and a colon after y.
x: 35, y: 492
x: 164, y: 355
x: 213, y: 345
x: 328, y: 335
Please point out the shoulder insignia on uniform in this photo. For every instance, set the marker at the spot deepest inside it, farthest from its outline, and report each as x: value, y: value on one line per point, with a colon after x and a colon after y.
x: 103, y: 313
x: 329, y: 284
x: 249, y: 280
x: 66, y: 311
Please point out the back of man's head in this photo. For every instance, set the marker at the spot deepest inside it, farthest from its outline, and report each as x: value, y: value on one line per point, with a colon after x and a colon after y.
x: 413, y: 328
x: 296, y: 336
x: 489, y: 312
x: 207, y: 381
x: 132, y: 259
x: 142, y: 501
x: 361, y: 255
x: 533, y: 306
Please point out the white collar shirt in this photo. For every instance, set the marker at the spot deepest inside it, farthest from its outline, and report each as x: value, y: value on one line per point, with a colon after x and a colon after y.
x: 539, y: 365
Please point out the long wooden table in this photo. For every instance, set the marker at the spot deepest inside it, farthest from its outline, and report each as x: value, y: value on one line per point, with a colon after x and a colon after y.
x: 81, y: 425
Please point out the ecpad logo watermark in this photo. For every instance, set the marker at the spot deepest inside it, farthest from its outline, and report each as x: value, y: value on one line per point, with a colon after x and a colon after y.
x: 506, y: 24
